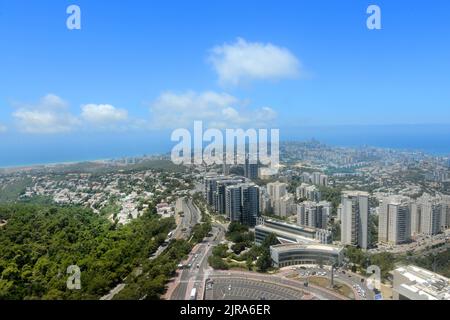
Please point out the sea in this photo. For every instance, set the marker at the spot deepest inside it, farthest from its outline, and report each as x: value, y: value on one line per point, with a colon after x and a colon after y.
x: 26, y: 150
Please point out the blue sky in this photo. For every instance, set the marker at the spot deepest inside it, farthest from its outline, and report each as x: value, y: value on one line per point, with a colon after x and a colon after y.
x: 138, y: 69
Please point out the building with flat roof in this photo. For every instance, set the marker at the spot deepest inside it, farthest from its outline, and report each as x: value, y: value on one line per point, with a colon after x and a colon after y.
x: 285, y: 255
x: 290, y: 233
x: 415, y: 283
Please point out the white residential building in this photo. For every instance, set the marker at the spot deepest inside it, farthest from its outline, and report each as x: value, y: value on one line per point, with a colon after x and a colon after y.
x: 394, y: 224
x: 355, y: 219
x: 306, y: 191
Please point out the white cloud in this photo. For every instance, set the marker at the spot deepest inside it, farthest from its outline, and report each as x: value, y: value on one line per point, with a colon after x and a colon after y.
x: 3, y: 128
x: 219, y: 110
x: 244, y: 61
x: 103, y: 114
x: 50, y: 115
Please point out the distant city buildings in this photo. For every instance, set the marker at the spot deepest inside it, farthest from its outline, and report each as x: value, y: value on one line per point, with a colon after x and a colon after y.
x: 355, y: 219
x: 414, y: 283
x: 315, y: 178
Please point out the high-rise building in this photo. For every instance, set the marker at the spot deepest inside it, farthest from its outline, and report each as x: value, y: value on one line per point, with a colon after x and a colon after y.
x: 250, y: 204
x: 284, y: 206
x: 316, y: 178
x: 426, y: 215
x: 234, y: 203
x: 251, y: 168
x: 276, y: 190
x: 220, y: 192
x: 445, y: 216
x: 313, y: 214
x: 394, y: 224
x: 242, y: 203
x: 264, y: 201
x: 355, y: 219
x: 308, y: 192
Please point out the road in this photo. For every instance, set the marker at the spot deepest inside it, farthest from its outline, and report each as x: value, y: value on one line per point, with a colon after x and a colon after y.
x: 350, y: 279
x: 197, y: 269
x: 191, y: 216
x: 183, y: 231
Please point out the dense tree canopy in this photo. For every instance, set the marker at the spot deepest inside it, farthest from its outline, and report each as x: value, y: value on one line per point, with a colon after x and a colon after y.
x: 39, y: 243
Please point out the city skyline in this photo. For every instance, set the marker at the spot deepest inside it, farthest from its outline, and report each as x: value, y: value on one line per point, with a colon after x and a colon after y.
x: 134, y: 73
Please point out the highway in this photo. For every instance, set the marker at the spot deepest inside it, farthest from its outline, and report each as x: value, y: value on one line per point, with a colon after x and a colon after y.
x: 197, y: 269
x: 190, y: 218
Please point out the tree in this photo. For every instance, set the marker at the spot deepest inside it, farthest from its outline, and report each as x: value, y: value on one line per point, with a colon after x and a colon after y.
x: 264, y: 262
x: 217, y: 263
x: 270, y: 240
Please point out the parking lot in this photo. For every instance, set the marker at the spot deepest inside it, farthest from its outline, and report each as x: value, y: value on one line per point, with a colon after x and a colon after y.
x: 246, y: 289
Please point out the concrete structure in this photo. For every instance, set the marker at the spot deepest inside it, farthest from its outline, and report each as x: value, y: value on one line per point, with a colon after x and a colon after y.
x: 297, y: 254
x: 426, y: 216
x: 394, y: 224
x: 316, y: 178
x: 313, y: 214
x: 320, y: 179
x: 283, y: 207
x: 251, y: 168
x: 308, y: 192
x: 242, y: 203
x: 445, y: 216
x: 250, y: 204
x: 290, y: 233
x: 233, y: 203
x: 414, y: 283
x: 355, y: 219
x: 264, y: 201
x: 276, y: 190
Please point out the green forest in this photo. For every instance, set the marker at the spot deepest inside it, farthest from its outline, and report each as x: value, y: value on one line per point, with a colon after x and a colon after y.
x: 38, y: 243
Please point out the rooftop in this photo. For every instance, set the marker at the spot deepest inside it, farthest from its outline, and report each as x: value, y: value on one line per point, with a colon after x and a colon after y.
x: 425, y: 282
x: 318, y: 247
